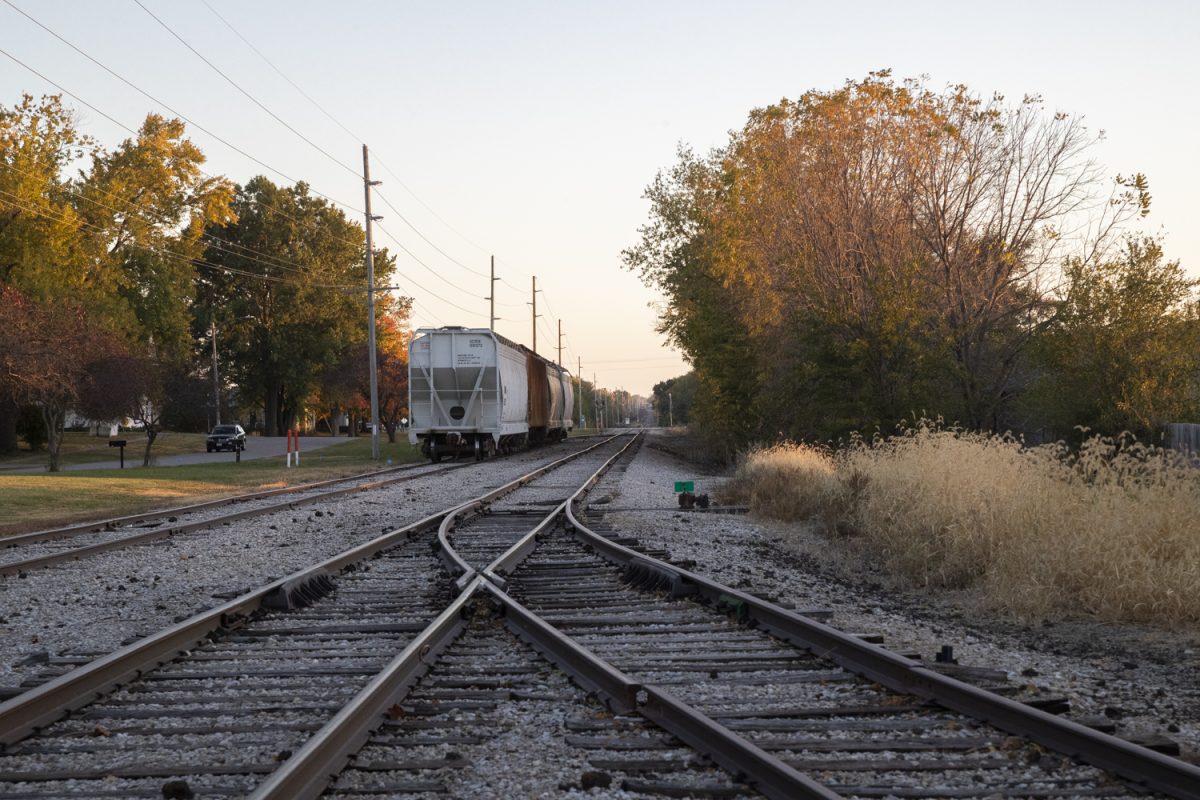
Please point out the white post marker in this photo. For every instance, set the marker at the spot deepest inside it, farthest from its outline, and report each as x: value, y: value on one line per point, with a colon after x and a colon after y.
x: 289, y: 448
x: 297, y: 447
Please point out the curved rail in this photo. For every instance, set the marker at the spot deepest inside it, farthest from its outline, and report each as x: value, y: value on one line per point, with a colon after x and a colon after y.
x: 1132, y: 762
x: 455, y: 564
x: 307, y: 773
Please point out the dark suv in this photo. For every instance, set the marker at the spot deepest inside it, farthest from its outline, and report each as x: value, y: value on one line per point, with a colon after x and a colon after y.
x: 226, y: 437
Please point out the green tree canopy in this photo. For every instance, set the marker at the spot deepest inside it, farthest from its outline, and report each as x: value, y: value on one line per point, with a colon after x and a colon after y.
x: 287, y: 290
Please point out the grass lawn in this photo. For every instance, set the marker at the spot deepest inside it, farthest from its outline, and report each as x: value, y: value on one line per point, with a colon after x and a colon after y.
x: 83, y: 448
x: 33, y: 502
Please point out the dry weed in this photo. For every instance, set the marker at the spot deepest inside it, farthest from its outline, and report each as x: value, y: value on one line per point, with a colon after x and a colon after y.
x: 787, y: 482
x: 1111, y: 531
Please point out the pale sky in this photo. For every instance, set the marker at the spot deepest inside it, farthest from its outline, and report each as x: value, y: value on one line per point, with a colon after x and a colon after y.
x: 531, y: 129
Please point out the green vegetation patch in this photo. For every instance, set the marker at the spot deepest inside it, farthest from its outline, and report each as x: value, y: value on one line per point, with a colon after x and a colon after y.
x: 32, y: 502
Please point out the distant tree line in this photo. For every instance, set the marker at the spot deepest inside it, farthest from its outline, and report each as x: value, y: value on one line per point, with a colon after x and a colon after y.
x: 858, y: 257
x: 118, y: 267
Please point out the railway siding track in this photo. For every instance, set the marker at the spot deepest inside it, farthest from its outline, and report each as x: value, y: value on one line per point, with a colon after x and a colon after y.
x: 46, y: 548
x: 257, y: 674
x: 823, y: 700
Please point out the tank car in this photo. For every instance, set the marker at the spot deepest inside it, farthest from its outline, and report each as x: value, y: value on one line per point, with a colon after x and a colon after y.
x: 471, y: 390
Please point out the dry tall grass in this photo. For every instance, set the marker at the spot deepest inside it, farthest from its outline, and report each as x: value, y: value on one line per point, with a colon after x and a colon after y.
x: 788, y: 482
x: 1111, y: 531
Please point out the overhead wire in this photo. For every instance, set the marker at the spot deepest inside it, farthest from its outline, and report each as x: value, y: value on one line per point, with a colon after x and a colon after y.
x: 328, y: 155
x: 340, y: 124
x: 249, y: 96
x: 383, y: 198
x: 224, y: 245
x: 414, y: 257
x: 17, y: 201
x: 152, y: 99
x: 133, y: 132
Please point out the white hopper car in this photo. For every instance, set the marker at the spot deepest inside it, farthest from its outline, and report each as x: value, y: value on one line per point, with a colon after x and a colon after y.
x: 471, y: 390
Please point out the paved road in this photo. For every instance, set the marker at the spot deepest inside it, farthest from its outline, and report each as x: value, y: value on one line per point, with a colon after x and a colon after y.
x: 256, y: 447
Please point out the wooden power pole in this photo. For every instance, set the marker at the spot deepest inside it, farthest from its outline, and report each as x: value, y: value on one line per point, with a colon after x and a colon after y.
x: 367, y: 184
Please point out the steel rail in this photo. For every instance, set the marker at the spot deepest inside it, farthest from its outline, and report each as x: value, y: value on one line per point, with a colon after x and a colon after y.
x: 459, y: 569
x: 101, y: 525
x: 514, y: 555
x: 307, y: 773
x: 23, y: 714
x: 762, y: 771
x: 73, y: 554
x: 1134, y: 763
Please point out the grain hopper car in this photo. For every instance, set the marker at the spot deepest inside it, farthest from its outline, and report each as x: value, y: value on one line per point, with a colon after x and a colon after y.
x: 471, y: 390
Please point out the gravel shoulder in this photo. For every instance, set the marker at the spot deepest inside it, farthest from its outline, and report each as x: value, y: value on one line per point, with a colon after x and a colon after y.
x: 1145, y: 680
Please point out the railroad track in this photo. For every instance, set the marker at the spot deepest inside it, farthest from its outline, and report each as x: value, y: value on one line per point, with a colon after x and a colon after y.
x: 678, y: 686
x: 218, y: 701
x: 25, y: 552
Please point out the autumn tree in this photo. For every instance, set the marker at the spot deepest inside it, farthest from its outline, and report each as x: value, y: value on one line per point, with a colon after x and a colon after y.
x: 1001, y: 197
x: 46, y: 354
x: 145, y: 207
x: 859, y: 256
x: 40, y: 250
x: 392, y: 363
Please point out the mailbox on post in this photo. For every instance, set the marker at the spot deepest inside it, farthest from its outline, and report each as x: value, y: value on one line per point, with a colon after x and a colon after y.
x: 121, y: 444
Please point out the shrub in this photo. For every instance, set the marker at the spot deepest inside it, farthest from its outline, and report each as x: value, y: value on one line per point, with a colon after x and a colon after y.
x: 31, y: 427
x: 1109, y: 531
x: 787, y: 482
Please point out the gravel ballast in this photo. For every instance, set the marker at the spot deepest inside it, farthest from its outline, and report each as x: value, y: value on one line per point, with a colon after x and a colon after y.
x: 94, y: 605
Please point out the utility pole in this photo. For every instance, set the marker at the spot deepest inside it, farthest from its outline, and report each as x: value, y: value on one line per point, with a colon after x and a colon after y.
x: 216, y: 381
x: 367, y: 184
x: 579, y: 373
x: 492, y: 295
x: 535, y: 313
x: 670, y: 411
x: 559, y: 362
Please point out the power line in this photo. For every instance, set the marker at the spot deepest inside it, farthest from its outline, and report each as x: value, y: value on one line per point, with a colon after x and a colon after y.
x: 340, y: 124
x: 198, y: 262
x: 249, y: 96
x: 153, y: 99
x: 281, y: 73
x: 386, y: 202
x: 428, y: 268
x: 214, y: 241
x: 424, y: 238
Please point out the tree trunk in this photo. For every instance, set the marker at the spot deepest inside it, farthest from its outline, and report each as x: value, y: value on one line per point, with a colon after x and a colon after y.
x: 151, y: 435
x: 53, y: 418
x: 391, y: 432
x: 271, y: 410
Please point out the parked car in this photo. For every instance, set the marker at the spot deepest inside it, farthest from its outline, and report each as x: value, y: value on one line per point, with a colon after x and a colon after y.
x: 226, y: 437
